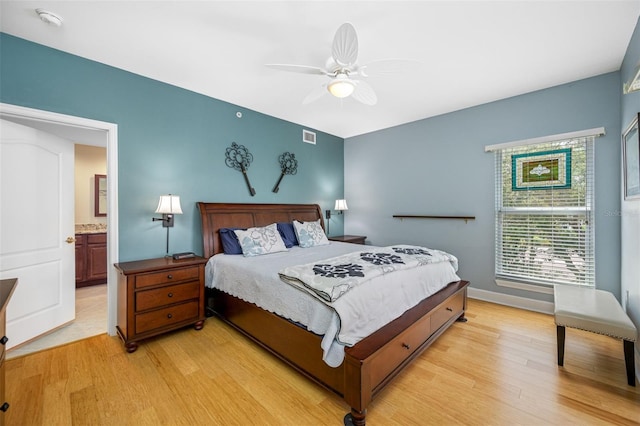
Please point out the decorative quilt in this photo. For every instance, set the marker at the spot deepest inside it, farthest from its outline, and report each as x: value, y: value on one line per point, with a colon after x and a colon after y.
x: 331, y: 278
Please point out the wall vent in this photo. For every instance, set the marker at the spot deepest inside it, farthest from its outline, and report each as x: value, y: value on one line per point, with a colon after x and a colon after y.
x: 308, y: 136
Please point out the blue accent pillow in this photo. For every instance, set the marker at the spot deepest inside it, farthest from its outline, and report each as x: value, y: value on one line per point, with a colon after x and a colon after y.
x: 288, y: 234
x: 230, y: 243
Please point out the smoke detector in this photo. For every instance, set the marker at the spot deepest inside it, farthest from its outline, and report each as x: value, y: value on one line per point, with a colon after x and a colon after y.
x: 49, y: 17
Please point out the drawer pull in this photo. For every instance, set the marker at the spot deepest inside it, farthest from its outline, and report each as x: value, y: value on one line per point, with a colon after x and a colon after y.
x: 404, y: 345
x: 169, y: 316
x: 4, y: 407
x: 4, y: 340
x: 449, y: 309
x: 170, y: 294
x: 169, y: 277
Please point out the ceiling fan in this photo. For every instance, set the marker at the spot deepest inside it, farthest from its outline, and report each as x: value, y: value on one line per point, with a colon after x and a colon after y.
x: 342, y: 67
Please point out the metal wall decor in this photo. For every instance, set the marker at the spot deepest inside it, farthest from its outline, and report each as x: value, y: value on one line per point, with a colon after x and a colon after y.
x: 288, y: 166
x: 239, y: 158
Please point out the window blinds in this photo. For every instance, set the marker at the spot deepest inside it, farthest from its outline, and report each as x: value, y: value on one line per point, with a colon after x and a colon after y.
x: 544, y: 211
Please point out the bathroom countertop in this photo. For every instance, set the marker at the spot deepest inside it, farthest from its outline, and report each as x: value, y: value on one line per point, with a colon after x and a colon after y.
x: 91, y: 228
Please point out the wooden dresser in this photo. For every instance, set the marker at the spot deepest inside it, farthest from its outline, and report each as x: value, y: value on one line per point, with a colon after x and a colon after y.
x: 159, y: 295
x: 6, y: 290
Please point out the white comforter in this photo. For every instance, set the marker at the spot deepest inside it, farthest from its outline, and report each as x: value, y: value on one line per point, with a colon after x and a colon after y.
x: 346, y: 321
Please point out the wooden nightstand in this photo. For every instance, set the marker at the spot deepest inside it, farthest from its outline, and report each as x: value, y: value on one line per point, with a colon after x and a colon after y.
x: 353, y: 239
x: 159, y: 295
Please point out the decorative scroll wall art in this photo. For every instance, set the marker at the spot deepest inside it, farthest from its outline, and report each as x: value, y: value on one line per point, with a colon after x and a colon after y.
x: 239, y: 158
x: 541, y: 170
x: 288, y: 166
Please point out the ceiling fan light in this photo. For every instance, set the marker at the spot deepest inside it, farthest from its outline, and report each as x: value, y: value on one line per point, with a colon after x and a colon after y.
x: 341, y: 88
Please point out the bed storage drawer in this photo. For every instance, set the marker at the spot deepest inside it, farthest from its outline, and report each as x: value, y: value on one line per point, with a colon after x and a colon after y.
x: 387, y: 359
x: 168, y: 276
x: 163, y: 296
x: 162, y: 317
x: 453, y: 306
x: 398, y: 349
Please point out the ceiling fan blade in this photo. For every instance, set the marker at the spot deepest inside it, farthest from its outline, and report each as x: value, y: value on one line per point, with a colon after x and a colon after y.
x: 388, y: 67
x: 301, y: 69
x: 345, y: 45
x: 364, y: 93
x: 315, y: 94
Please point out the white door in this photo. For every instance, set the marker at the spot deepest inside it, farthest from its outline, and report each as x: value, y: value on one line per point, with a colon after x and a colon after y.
x: 36, y: 229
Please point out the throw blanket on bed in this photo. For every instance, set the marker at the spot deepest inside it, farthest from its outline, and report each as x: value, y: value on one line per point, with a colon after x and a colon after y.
x: 331, y: 278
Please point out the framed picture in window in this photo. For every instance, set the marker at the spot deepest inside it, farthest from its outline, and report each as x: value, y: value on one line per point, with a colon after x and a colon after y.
x: 541, y: 170
x: 631, y: 160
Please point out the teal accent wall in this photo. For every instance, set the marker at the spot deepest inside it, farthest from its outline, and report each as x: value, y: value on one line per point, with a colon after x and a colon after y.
x: 437, y: 166
x: 171, y: 140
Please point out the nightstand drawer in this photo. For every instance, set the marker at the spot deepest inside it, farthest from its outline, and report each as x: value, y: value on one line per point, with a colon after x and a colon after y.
x: 149, y: 299
x: 169, y: 276
x: 163, y: 317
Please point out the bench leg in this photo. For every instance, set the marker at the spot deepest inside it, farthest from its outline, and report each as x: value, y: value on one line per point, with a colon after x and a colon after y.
x: 560, y: 337
x: 629, y: 362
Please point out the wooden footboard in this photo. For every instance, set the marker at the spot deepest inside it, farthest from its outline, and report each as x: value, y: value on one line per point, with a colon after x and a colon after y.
x: 369, y: 365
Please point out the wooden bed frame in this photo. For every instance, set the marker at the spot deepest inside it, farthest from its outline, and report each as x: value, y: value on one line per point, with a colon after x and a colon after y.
x: 370, y: 364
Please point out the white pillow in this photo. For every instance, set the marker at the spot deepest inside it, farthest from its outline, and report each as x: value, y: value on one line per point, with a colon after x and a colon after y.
x: 310, y: 234
x: 260, y: 240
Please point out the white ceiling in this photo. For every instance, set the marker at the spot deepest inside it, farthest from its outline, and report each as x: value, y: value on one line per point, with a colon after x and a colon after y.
x: 471, y: 52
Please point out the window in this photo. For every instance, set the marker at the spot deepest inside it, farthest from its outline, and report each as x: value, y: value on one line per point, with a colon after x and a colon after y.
x: 545, y: 210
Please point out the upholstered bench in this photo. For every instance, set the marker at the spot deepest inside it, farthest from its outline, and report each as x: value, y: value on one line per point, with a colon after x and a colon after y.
x: 597, y: 311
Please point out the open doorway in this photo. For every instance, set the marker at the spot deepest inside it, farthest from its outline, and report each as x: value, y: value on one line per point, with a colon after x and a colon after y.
x: 92, y: 133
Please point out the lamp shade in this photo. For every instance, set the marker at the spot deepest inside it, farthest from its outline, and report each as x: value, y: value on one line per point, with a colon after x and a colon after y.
x: 341, y: 205
x: 169, y: 204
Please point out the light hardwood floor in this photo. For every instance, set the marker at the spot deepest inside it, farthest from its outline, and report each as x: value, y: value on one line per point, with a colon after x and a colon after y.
x: 91, y: 320
x: 499, y: 368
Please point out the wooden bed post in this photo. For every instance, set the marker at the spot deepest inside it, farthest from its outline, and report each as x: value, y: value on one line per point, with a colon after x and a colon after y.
x: 355, y: 418
x: 357, y: 390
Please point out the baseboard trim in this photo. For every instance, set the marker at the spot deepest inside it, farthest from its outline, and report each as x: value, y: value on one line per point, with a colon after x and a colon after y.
x: 509, y: 300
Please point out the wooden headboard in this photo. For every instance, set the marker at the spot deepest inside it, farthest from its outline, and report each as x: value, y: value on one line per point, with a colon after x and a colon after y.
x: 226, y: 215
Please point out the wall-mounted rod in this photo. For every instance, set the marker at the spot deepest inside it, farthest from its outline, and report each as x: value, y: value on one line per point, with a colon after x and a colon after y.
x: 409, y: 216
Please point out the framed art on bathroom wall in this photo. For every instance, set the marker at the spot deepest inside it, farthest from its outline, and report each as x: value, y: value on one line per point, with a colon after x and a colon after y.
x: 100, y: 195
